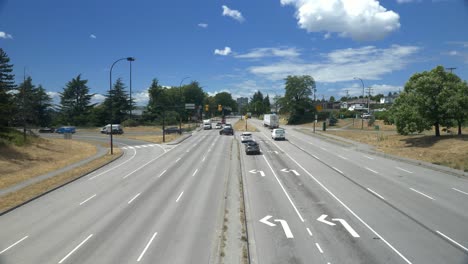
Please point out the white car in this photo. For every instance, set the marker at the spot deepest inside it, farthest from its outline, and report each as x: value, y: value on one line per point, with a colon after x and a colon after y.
x: 219, y: 126
x: 278, y: 133
x: 246, y: 136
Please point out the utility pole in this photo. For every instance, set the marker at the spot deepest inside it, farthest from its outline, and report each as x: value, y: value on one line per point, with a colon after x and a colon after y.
x: 369, y: 91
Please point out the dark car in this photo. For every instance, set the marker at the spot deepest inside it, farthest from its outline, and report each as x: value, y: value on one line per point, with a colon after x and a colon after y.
x: 172, y: 130
x: 252, y: 147
x: 46, y: 130
x: 226, y: 131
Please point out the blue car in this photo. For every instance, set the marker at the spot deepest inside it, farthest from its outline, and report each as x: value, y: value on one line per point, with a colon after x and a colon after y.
x: 65, y: 129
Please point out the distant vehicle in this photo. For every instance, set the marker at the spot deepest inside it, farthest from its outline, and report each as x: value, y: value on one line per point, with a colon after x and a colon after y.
x: 357, y: 107
x: 271, y: 120
x: 219, y: 125
x: 116, y: 129
x: 172, y: 130
x: 207, y: 124
x: 246, y: 136
x: 226, y: 131
x: 46, y: 130
x: 252, y: 147
x: 278, y: 133
x: 228, y: 125
x: 366, y: 116
x: 65, y: 129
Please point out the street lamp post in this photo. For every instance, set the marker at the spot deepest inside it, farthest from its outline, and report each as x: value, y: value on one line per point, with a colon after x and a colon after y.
x: 110, y: 98
x: 362, y: 82
x: 130, y: 59
x: 182, y: 101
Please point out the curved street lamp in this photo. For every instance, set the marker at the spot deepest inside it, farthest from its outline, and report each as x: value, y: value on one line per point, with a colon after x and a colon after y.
x: 130, y: 59
x: 362, y: 82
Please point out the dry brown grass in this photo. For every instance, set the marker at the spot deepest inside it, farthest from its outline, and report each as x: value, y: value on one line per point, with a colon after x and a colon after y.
x: 154, y: 138
x: 13, y: 199
x: 240, y: 126
x: 447, y: 150
x: 18, y: 164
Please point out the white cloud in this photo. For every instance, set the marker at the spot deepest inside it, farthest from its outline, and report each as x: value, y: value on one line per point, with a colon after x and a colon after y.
x: 270, y: 52
x: 235, y: 14
x: 226, y: 51
x: 407, y: 1
x: 327, y: 35
x: 141, y: 98
x: 4, y: 35
x: 92, y: 36
x: 97, y: 99
x: 361, y: 20
x: 368, y: 62
x: 453, y: 53
x: 203, y: 25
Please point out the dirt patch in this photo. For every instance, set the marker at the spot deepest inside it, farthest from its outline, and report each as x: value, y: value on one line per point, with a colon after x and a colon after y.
x: 13, y: 199
x: 18, y: 164
x: 240, y: 126
x: 446, y: 150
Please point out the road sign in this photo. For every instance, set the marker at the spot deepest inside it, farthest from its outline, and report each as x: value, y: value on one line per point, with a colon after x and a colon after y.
x: 284, y: 225
x: 318, y: 107
x: 342, y: 221
x: 189, y: 106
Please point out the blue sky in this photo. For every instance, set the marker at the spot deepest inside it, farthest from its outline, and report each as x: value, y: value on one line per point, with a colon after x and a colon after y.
x: 239, y: 46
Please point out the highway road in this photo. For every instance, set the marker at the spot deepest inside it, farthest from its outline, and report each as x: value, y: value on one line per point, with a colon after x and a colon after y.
x: 307, y: 200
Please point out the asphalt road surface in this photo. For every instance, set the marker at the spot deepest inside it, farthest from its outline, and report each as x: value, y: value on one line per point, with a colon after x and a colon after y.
x: 307, y: 201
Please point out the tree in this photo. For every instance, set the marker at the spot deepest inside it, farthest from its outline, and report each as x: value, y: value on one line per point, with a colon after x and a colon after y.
x: 456, y: 103
x: 426, y: 91
x: 225, y: 100
x: 405, y: 115
x: 75, y: 102
x: 32, y: 105
x: 277, y: 102
x: 297, y: 96
x: 42, y: 107
x: 266, y: 105
x: 117, y: 103
x: 7, y: 85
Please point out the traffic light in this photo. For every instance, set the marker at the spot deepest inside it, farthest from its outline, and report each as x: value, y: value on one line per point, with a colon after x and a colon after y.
x: 207, y: 108
x: 220, y: 108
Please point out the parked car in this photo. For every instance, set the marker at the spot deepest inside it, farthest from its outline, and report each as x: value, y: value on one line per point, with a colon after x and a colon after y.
x: 46, y: 130
x: 246, y: 136
x: 252, y: 147
x: 219, y: 125
x: 278, y: 133
x: 226, y: 131
x: 65, y: 129
x: 172, y: 130
x: 116, y: 129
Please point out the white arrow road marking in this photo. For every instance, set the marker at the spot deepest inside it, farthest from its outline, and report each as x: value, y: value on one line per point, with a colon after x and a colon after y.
x: 256, y: 171
x: 265, y: 220
x: 16, y: 243
x: 286, y: 228
x: 347, y: 226
x: 322, y: 219
x: 293, y: 171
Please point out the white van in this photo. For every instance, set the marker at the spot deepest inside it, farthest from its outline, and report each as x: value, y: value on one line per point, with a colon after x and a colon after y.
x: 278, y: 133
x: 116, y: 129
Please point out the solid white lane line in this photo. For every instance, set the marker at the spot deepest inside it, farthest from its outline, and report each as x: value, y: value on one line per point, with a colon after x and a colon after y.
x: 342, y: 157
x: 284, y: 190
x: 337, y: 170
x: 83, y: 202
x: 349, y: 210
x: 16, y: 243
x: 371, y: 170
x: 177, y: 160
x: 180, y: 195
x: 162, y: 173
x: 75, y: 249
x: 319, y: 248
x: 133, y: 156
x: 195, y: 172
x: 310, y: 232
x: 378, y: 195
x: 453, y: 241
x: 422, y: 193
x: 403, y: 170
x: 368, y: 157
x: 129, y: 202
x: 459, y: 191
x: 147, y: 246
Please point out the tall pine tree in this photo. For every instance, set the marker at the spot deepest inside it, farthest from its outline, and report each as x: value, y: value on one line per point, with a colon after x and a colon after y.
x: 75, y: 102
x: 7, y: 84
x: 118, y: 103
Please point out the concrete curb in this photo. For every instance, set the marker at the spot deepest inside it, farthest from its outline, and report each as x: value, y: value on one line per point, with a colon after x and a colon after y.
x: 60, y: 186
x: 179, y: 140
x: 371, y: 150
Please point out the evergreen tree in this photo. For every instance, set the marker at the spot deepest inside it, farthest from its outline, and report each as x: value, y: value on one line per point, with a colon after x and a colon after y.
x: 118, y: 103
x: 75, y: 102
x: 7, y: 84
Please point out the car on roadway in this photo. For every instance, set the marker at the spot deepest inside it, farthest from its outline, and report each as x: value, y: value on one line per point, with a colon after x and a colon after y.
x: 278, y: 133
x: 172, y: 130
x: 252, y: 147
x: 116, y: 129
x: 246, y: 136
x: 66, y: 129
x: 219, y: 125
x: 228, y: 125
x: 46, y: 130
x: 227, y: 131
